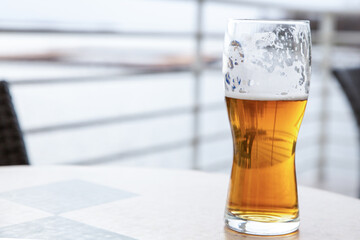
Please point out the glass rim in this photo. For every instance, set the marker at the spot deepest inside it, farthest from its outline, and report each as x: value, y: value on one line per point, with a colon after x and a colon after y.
x: 268, y: 21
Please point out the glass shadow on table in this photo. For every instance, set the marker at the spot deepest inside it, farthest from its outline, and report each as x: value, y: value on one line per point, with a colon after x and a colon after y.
x: 232, y: 235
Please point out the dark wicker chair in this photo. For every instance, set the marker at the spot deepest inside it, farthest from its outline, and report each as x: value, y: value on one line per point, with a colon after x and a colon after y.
x: 349, y: 80
x: 12, y: 147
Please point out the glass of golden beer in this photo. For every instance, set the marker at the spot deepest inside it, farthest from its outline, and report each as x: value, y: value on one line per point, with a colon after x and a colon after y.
x: 266, y: 68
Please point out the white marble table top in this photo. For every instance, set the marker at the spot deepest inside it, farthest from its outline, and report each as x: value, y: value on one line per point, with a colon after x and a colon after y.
x: 129, y: 203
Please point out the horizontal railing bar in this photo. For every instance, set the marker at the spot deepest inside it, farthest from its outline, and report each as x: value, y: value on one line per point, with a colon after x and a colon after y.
x: 342, y: 37
x: 122, y: 119
x: 92, y: 32
x: 109, y: 77
x: 104, y: 64
x: 134, y: 117
x: 65, y: 31
x: 108, y: 65
x: 165, y: 34
x: 148, y: 150
x: 132, y: 68
x: 91, y: 78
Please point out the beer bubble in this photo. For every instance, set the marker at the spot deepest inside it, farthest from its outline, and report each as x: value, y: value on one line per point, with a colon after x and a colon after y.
x: 227, y: 78
x: 237, y: 47
x: 235, y: 43
x: 302, y: 78
x: 238, y: 80
x: 230, y: 64
x: 307, y: 87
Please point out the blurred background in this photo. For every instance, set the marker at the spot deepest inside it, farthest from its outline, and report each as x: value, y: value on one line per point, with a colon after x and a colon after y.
x: 139, y: 83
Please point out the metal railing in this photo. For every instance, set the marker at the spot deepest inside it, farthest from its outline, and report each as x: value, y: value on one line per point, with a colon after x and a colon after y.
x: 327, y: 29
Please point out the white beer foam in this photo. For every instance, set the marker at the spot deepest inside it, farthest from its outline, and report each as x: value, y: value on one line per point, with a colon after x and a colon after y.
x: 267, y: 60
x: 266, y: 97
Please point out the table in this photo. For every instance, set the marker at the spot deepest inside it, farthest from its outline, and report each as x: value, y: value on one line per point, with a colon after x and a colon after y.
x: 130, y: 203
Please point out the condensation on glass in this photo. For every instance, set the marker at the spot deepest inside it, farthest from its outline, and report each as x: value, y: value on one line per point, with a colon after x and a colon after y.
x: 266, y: 68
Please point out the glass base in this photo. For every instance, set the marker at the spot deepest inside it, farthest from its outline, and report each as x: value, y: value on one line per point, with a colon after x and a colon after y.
x: 261, y: 228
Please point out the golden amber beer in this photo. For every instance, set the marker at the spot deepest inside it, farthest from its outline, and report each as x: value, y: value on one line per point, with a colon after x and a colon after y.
x: 266, y: 68
x: 263, y: 182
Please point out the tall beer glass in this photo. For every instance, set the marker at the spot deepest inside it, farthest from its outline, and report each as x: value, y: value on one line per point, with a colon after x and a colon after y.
x: 266, y: 67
